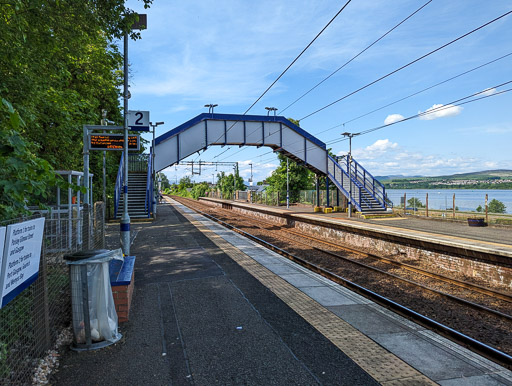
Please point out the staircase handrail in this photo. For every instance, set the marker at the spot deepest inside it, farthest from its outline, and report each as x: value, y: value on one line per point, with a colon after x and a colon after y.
x: 119, y: 184
x: 340, y: 185
x: 355, y: 181
x: 369, y: 182
x: 149, y: 186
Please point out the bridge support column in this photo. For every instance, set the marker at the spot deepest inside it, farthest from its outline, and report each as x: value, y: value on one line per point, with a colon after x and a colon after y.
x: 317, y: 190
x: 337, y: 197
x: 327, y: 190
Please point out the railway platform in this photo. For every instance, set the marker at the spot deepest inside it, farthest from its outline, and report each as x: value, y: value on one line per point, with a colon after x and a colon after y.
x: 212, y: 307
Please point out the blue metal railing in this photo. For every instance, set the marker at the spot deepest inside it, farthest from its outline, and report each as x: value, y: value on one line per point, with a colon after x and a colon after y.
x: 339, y: 177
x: 371, y: 185
x: 148, y: 205
x: 119, y: 184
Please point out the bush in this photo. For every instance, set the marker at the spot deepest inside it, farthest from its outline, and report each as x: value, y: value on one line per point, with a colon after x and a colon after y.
x: 496, y: 206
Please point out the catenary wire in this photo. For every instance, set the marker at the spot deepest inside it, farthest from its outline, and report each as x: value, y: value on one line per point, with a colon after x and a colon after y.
x: 407, y: 97
x: 356, y: 56
x: 416, y: 93
x: 406, y: 65
x: 292, y: 63
x: 458, y: 102
x: 352, y: 59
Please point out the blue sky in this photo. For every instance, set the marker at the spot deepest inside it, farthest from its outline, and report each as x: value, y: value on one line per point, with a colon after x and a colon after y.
x: 228, y: 52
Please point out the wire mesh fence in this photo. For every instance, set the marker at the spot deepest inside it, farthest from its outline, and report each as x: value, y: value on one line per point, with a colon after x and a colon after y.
x: 302, y: 197
x: 31, y: 322
x: 450, y: 204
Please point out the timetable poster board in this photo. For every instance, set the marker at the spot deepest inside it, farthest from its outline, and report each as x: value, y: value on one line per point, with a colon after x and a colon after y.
x: 20, y: 262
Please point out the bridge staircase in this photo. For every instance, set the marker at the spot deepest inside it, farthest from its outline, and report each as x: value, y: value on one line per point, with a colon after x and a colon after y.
x: 366, y: 193
x: 140, y: 187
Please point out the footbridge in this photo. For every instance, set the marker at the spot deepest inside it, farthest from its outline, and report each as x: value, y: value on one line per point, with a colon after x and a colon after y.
x: 281, y: 135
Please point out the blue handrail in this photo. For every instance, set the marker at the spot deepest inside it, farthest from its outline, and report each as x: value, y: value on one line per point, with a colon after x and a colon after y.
x: 340, y: 184
x: 368, y: 182
x: 119, y: 184
x: 148, y: 206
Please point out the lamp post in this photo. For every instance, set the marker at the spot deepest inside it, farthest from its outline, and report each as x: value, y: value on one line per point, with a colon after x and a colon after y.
x: 153, y: 174
x: 210, y: 107
x: 349, y: 163
x: 269, y: 109
x: 250, y: 180
x: 125, y: 219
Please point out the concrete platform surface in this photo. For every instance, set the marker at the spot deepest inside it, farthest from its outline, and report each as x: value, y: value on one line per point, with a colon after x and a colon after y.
x: 212, y: 307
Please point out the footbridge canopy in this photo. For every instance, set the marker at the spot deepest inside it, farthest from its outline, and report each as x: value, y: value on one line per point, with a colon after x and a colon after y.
x: 209, y: 129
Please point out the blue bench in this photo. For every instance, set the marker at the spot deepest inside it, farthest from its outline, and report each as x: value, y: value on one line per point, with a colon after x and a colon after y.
x: 121, y: 271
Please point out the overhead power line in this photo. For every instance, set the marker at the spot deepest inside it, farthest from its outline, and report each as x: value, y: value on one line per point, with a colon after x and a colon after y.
x: 407, y: 65
x: 449, y: 105
x: 458, y: 102
x: 292, y: 63
x: 298, y: 56
x: 356, y: 56
x: 416, y: 93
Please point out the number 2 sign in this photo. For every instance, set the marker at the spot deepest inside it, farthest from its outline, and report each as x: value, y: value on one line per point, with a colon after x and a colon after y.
x: 138, y: 120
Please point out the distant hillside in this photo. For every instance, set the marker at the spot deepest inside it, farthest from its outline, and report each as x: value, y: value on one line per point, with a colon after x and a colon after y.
x: 487, y: 179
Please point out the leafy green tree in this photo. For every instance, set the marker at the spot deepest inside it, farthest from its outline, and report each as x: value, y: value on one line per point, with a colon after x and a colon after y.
x: 24, y: 177
x: 299, y: 178
x: 199, y: 190
x: 415, y: 203
x: 496, y: 206
x: 59, y: 67
x: 165, y: 181
x: 185, y: 182
x: 479, y: 208
x: 228, y: 183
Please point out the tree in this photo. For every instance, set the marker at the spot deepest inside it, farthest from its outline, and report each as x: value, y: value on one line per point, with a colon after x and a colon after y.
x: 165, y: 181
x: 199, y: 190
x: 415, y: 203
x: 24, y: 177
x: 59, y: 67
x: 227, y: 184
x: 299, y: 178
x: 479, y: 208
x: 496, y: 206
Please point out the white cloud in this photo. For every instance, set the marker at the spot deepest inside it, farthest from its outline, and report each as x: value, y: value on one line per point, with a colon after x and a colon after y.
x: 378, y: 149
x: 489, y: 91
x: 393, y: 118
x: 440, y: 111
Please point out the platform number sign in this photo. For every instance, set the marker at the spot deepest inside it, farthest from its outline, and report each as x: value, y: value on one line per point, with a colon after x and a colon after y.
x: 138, y: 120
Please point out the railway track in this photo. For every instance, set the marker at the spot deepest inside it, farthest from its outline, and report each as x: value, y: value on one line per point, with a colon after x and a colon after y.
x: 490, y: 323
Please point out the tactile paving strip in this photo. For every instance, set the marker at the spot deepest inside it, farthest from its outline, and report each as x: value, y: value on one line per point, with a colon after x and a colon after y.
x: 383, y: 366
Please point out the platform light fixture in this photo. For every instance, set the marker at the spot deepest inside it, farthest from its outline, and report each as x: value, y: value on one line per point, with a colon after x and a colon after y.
x: 269, y: 109
x: 211, y: 106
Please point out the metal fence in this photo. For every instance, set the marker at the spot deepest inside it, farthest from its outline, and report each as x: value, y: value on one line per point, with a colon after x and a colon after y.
x: 447, y: 205
x: 303, y: 197
x: 31, y: 323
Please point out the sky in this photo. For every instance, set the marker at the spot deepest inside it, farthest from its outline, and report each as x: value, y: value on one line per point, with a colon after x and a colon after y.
x: 228, y: 52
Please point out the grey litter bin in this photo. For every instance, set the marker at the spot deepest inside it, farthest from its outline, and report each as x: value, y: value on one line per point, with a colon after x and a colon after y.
x: 92, y: 303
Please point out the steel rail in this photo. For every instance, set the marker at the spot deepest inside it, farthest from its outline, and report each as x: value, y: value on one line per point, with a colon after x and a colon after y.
x: 460, y: 283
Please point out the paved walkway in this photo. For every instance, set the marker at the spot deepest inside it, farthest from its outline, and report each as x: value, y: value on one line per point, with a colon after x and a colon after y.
x: 199, y: 318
